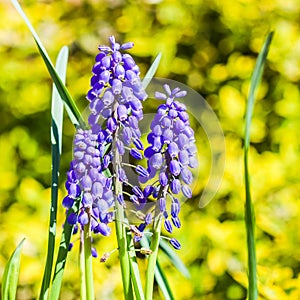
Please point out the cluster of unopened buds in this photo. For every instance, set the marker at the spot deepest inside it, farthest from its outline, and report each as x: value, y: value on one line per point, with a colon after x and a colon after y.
x: 98, y: 174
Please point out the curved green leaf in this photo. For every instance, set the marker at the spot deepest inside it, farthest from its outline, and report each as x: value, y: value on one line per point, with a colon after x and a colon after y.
x: 11, y: 274
x: 73, y: 111
x: 174, y: 258
x: 134, y: 269
x: 62, y: 255
x: 249, y: 210
x: 255, y: 81
x: 71, y: 107
x: 162, y: 281
x: 159, y: 275
x: 152, y: 70
x: 56, y: 145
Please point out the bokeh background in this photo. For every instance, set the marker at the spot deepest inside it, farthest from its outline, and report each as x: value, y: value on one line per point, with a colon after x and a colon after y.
x: 211, y: 46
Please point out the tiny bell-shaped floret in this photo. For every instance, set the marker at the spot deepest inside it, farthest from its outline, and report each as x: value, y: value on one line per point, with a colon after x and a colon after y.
x: 175, y: 244
x: 168, y: 226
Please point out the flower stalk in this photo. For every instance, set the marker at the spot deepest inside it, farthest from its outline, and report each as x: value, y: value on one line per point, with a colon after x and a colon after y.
x: 153, y: 258
x: 121, y: 234
x: 82, y: 267
x: 88, y: 262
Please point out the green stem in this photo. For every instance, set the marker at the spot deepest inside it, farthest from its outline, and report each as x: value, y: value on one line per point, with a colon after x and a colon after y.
x: 249, y: 210
x: 121, y: 231
x: 62, y: 255
x: 123, y: 251
x: 88, y: 262
x: 82, y: 267
x: 152, y: 258
x: 250, y: 229
x: 53, y: 214
x: 134, y: 269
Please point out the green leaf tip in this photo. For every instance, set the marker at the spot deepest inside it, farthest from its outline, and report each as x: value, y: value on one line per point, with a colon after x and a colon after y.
x: 56, y: 142
x: 174, y: 258
x: 254, y: 84
x: 71, y: 107
x: 152, y: 70
x: 11, y: 274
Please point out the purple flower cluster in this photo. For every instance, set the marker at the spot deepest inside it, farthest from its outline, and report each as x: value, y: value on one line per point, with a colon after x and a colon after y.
x: 116, y: 93
x: 171, y: 154
x: 97, y: 174
x: 115, y: 110
x: 116, y: 99
x: 86, y: 183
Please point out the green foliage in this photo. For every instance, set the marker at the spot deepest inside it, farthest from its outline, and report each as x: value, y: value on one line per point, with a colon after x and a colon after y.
x: 134, y: 269
x: 152, y: 70
x: 163, y: 282
x: 11, y: 274
x: 212, y: 47
x: 174, y: 258
x: 57, y: 109
x: 62, y: 256
x: 249, y: 210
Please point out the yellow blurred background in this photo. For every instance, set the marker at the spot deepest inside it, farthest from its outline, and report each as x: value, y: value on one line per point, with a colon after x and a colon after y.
x: 209, y: 45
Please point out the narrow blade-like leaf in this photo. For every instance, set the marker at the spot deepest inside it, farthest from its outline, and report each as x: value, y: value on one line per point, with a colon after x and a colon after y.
x: 152, y: 70
x: 134, y: 269
x: 72, y: 109
x: 163, y: 282
x: 174, y: 258
x: 11, y: 274
x: 56, y: 145
x: 249, y: 210
x: 62, y: 255
x: 159, y: 275
x: 255, y: 81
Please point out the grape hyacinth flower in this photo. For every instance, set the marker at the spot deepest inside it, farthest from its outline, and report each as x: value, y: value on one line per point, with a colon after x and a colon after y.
x: 171, y: 154
x: 97, y: 173
x: 116, y: 99
x: 86, y: 183
x: 97, y: 182
x: 116, y: 92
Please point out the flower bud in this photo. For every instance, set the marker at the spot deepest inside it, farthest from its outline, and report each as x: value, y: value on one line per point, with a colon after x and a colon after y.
x: 175, y: 244
x: 168, y: 226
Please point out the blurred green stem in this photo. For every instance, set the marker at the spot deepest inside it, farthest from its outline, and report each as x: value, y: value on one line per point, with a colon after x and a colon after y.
x: 82, y: 267
x: 121, y: 231
x: 250, y: 228
x: 88, y: 261
x: 249, y: 209
x: 152, y: 258
x: 123, y: 252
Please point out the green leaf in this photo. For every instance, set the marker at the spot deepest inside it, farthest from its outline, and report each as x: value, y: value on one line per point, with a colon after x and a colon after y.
x: 11, y: 274
x: 174, y: 258
x: 62, y: 255
x: 255, y: 81
x: 57, y: 103
x: 71, y: 107
x: 159, y: 275
x: 88, y: 263
x: 56, y: 144
x: 74, y: 114
x: 152, y: 70
x: 163, y: 282
x: 249, y: 210
x: 152, y: 258
x: 134, y: 269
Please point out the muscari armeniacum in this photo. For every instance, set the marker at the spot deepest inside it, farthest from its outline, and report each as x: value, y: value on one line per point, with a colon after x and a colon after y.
x: 116, y: 97
x: 171, y: 154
